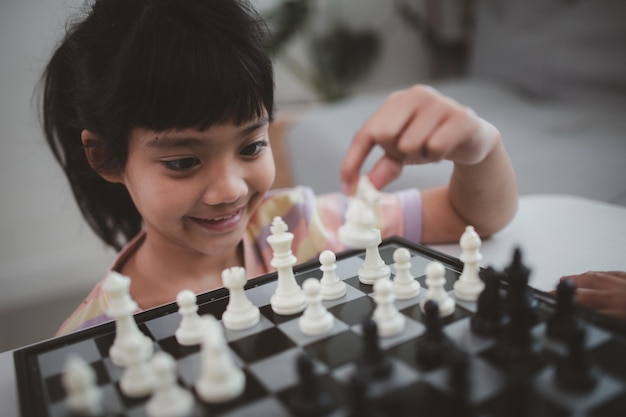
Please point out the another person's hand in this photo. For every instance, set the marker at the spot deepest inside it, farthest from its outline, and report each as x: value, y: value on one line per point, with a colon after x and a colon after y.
x: 603, y: 291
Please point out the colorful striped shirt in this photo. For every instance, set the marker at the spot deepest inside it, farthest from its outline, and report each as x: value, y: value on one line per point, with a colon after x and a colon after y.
x: 314, y: 221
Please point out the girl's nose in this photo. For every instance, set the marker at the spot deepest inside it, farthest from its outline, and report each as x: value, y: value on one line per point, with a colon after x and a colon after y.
x: 225, y: 187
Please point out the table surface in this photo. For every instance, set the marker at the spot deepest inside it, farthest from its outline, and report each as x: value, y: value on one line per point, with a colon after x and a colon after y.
x: 558, y: 235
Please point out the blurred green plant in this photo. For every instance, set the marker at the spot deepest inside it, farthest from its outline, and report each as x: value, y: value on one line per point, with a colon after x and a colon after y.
x: 340, y: 56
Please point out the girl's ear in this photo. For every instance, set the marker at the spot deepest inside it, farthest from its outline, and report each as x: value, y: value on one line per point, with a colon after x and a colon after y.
x: 95, y: 152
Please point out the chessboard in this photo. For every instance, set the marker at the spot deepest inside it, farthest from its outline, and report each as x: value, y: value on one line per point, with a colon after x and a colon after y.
x: 435, y: 366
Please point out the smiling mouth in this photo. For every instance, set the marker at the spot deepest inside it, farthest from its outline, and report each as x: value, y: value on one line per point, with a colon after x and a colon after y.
x: 221, y: 220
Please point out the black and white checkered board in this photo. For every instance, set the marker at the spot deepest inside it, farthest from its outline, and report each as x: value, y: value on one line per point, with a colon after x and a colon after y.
x: 267, y: 353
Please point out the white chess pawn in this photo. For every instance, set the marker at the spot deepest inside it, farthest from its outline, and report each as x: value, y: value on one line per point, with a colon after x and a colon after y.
x: 169, y: 398
x: 404, y: 284
x: 189, y: 331
x: 389, y: 320
x: 469, y: 285
x: 220, y: 379
x: 121, y: 308
x: 332, y: 286
x: 316, y: 319
x: 240, y: 313
x: 137, y: 379
x: 436, y: 281
x: 288, y: 297
x: 373, y: 267
x: 79, y: 380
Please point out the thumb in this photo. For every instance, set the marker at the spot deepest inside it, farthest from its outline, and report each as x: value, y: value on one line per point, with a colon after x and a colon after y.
x: 384, y: 172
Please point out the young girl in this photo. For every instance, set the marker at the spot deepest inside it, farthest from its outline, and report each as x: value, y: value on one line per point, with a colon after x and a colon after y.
x: 158, y: 112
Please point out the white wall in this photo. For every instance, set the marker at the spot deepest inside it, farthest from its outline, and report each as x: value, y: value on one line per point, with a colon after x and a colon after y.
x: 44, y: 241
x: 47, y: 252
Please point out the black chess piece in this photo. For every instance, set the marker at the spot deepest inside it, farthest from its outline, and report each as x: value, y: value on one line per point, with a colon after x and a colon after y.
x: 309, y: 399
x: 519, y: 296
x: 374, y: 362
x: 459, y: 381
x: 520, y: 399
x: 432, y: 345
x: 576, y: 372
x: 564, y: 323
x: 357, y: 395
x: 358, y: 400
x: 516, y: 345
x: 488, y: 319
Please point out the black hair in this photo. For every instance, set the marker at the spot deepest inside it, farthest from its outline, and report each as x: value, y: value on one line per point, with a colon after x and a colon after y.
x: 155, y: 64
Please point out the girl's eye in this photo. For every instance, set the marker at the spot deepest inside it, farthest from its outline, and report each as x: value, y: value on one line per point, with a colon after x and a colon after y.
x: 183, y: 164
x: 254, y: 148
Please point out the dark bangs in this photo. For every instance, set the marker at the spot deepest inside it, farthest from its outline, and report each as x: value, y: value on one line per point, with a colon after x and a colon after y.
x: 194, y: 66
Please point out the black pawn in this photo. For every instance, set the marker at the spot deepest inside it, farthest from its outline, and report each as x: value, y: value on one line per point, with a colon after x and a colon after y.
x: 516, y: 344
x: 357, y: 395
x: 575, y: 372
x: 432, y: 345
x: 520, y: 399
x: 488, y: 319
x: 358, y: 399
x: 459, y: 381
x: 374, y: 362
x: 309, y: 399
x: 564, y: 323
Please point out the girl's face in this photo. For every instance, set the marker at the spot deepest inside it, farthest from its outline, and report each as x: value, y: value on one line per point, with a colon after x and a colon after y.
x: 196, y: 190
